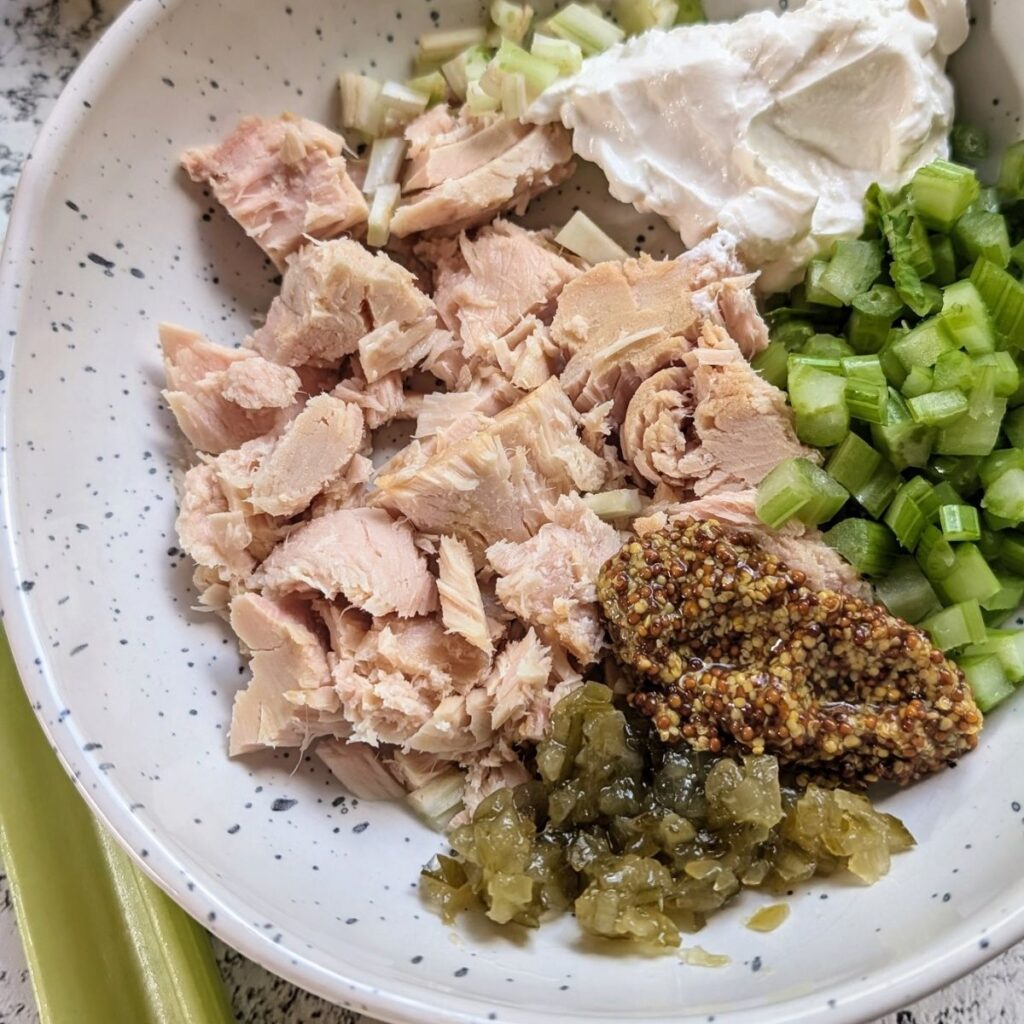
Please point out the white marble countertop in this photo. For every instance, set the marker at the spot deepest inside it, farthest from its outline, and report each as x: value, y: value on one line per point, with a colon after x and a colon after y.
x: 41, y: 42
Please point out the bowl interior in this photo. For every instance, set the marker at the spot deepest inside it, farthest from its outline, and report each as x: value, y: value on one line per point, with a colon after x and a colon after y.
x: 135, y: 688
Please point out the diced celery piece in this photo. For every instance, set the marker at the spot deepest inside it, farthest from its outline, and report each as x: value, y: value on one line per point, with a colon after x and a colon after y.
x: 853, y: 463
x: 378, y: 224
x: 400, y: 104
x: 939, y: 494
x: 990, y: 544
x: 996, y: 464
x: 906, y: 592
x: 944, y: 258
x: 584, y: 238
x: 563, y: 53
x: 934, y: 554
x: 959, y: 522
x: 821, y: 417
x: 968, y: 143
x: 866, y: 400
x: 988, y: 201
x: 826, y: 346
x: 586, y: 28
x: 853, y: 268
x: 514, y: 60
x: 872, y: 317
x: 971, y: 577
x: 515, y: 94
x: 868, y: 546
x: 1011, y: 552
x: 908, y: 242
x: 922, y: 298
x: 877, y: 494
x: 798, y: 488
x: 941, y: 192
x: 1004, y: 497
x: 623, y: 503
x: 360, y: 103
x: 773, y: 364
x: 954, y: 370
x: 384, y: 165
x: 690, y: 12
x: 1013, y: 427
x: 996, y: 523
x: 1011, y: 595
x: 894, y: 370
x: 957, y: 626
x: 793, y: 333
x: 962, y: 473
x: 938, y: 408
x: 988, y: 680
x: 478, y: 101
x: 981, y: 234
x: 825, y: 363
x: 919, y: 381
x: 970, y: 434
x: 637, y: 16
x: 432, y: 85
x: 1011, y: 172
x: 465, y: 68
x: 903, y: 441
x: 905, y: 518
x: 1005, y: 376
x: 924, y: 344
x: 815, y: 291
x: 1005, y: 644
x: 865, y: 367
x: 511, y: 20
x: 438, y: 47
x: 1003, y: 294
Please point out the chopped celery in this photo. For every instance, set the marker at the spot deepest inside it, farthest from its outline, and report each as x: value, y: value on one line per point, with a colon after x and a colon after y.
x: 996, y: 464
x: 944, y: 258
x: 378, y: 224
x: 773, y: 363
x: 924, y: 344
x: 826, y: 363
x: 439, y: 47
x: 873, y: 314
x: 827, y: 346
x: 908, y: 241
x: 797, y: 488
x: 877, y: 494
x: 904, y: 442
x: 1011, y: 552
x: 954, y: 370
x: 563, y: 53
x: 465, y: 68
x: 970, y: 578
x: 400, y: 104
x: 919, y: 381
x: 906, y: 592
x: 478, y: 101
x: 1004, y: 497
x: 988, y: 680
x: 511, y: 20
x: 853, y: 268
x: 941, y: 192
x: 360, y: 103
x: 432, y: 85
x: 868, y: 546
x: 987, y: 202
x: 515, y: 94
x: 894, y: 370
x: 990, y: 544
x: 1004, y: 296
x: 1008, y: 646
x: 972, y: 434
x: 538, y: 74
x: 1006, y: 375
x: 962, y: 473
x: 956, y: 626
x: 923, y: 299
x: 586, y: 28
x: 865, y: 367
x: 904, y: 516
x: 934, y: 554
x: 995, y: 523
x: 1011, y: 172
x: 981, y: 234
x: 793, y: 334
x: 384, y: 165
x: 853, y: 463
x: 440, y: 799
x: 867, y: 400
x: 619, y: 504
x: 103, y: 943
x: 959, y: 522
x: 818, y: 399
x: 637, y: 16
x: 1010, y: 595
x: 816, y: 292
x: 938, y: 408
x: 942, y: 493
x: 690, y: 12
x: 968, y: 143
x: 583, y: 237
x: 1013, y: 426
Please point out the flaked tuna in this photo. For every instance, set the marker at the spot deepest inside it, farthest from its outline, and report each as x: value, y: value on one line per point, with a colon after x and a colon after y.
x: 359, y: 768
x: 213, y: 535
x: 282, y: 179
x: 462, y: 606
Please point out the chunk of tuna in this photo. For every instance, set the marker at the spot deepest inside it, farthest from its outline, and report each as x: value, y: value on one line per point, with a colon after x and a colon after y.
x: 654, y: 435
x: 359, y: 768
x: 539, y: 160
x: 462, y: 606
x: 315, y: 449
x: 282, y: 179
x: 426, y: 130
x: 335, y: 294
x: 259, y: 384
x: 361, y: 553
x: 457, y: 153
x: 212, y: 534
x: 549, y: 581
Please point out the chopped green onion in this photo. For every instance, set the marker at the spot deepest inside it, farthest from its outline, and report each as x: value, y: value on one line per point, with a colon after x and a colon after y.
x: 944, y: 258
x: 924, y: 344
x: 919, y: 381
x: 938, y: 408
x: 934, y: 554
x: 982, y: 235
x: 868, y: 546
x: 960, y: 522
x: 637, y: 16
x: 439, y: 47
x: 360, y: 103
x: 816, y: 292
x: 1011, y: 172
x: 867, y: 368
x: 512, y: 20
x: 583, y: 237
x: 1004, y: 497
x: 903, y: 441
x: 906, y: 592
x: 941, y: 192
x: 797, y: 488
x: 563, y: 53
x: 873, y: 314
x: 384, y: 165
x: 904, y: 516
x: 954, y: 370
x: 773, y: 364
x: 853, y: 268
x: 464, y: 69
x: 969, y: 144
x: 971, y: 578
x: 867, y: 400
x: 956, y: 626
x: 378, y: 224
x: 587, y: 29
x: 1004, y: 296
x: 818, y: 399
x: 988, y: 680
x: 826, y: 346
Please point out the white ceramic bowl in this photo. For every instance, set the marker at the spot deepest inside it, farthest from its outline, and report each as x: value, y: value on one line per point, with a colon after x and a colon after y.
x: 134, y: 689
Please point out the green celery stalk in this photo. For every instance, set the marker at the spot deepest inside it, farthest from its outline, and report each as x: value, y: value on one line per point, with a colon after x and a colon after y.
x: 103, y: 943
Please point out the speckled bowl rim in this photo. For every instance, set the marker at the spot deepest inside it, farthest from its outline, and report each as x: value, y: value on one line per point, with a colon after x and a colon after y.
x: 938, y: 962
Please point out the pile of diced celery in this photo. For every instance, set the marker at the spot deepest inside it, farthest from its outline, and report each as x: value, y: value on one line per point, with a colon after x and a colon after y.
x: 501, y: 68
x: 903, y: 356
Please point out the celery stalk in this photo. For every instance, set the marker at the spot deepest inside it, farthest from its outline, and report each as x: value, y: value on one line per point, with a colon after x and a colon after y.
x: 103, y: 943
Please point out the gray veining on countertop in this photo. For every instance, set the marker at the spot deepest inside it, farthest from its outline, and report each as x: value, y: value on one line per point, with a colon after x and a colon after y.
x: 41, y: 42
